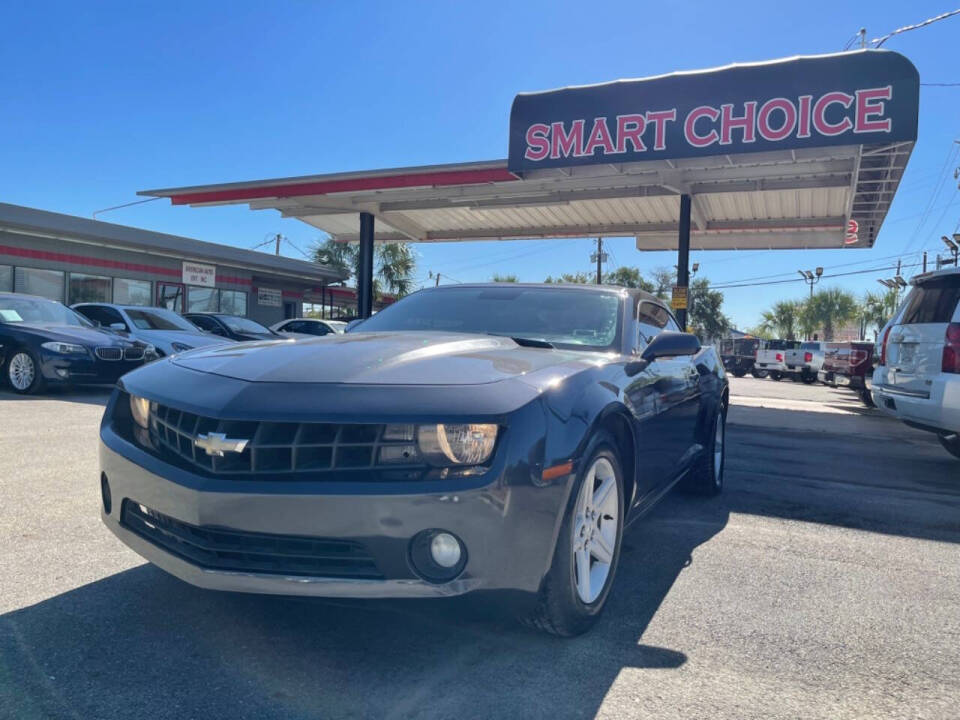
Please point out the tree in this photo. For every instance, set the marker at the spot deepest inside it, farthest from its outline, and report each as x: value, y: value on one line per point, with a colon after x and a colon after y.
x: 628, y: 277
x: 509, y: 278
x: 663, y: 281
x: 830, y: 308
x: 781, y: 320
x: 397, y: 265
x: 579, y: 278
x: 876, y: 309
x: 394, y: 264
x: 704, y: 316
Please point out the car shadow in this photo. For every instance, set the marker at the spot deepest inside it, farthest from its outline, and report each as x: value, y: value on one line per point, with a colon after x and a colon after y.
x: 146, y: 644
x: 89, y: 395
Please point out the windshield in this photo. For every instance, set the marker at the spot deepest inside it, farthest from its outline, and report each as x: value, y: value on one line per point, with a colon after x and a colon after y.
x: 564, y: 317
x: 810, y: 346
x: 158, y: 319
x: 243, y: 325
x: 17, y: 309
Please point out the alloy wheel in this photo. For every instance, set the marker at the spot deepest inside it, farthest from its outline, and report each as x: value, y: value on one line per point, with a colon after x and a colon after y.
x: 595, y: 526
x: 21, y: 371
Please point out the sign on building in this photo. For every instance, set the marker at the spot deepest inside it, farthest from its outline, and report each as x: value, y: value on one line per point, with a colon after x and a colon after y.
x: 269, y: 297
x: 678, y: 298
x: 199, y: 274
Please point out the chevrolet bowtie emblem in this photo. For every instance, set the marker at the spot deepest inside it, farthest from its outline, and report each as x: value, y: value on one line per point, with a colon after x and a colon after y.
x: 218, y: 443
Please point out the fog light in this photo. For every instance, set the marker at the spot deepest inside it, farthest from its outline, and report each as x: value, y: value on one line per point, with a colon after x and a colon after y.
x: 437, y: 556
x: 63, y: 373
x: 445, y: 550
x: 105, y: 493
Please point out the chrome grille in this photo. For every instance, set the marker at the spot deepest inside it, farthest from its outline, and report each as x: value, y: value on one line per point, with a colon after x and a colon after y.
x: 134, y: 352
x: 109, y: 353
x: 282, y: 448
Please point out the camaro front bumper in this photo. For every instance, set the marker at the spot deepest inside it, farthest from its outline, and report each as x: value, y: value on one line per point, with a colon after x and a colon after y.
x: 508, y: 532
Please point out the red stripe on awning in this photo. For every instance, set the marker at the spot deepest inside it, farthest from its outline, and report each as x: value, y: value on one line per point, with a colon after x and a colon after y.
x: 325, y: 187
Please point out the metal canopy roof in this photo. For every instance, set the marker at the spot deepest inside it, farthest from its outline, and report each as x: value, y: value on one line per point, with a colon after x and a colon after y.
x: 773, y: 191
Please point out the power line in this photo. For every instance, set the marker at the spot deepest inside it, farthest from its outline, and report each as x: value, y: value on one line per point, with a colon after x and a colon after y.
x: 943, y: 16
x: 942, y: 177
x: 956, y: 84
x: 117, y: 207
x: 834, y: 275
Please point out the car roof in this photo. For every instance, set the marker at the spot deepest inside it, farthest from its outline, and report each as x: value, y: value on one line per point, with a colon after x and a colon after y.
x: 932, y: 275
x: 29, y: 297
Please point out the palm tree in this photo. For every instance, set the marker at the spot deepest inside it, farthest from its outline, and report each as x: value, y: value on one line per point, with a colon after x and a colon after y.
x: 781, y: 320
x: 877, y: 308
x: 830, y: 308
x: 397, y: 265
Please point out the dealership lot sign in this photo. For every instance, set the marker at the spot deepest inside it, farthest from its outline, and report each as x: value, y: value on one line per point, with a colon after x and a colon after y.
x: 845, y: 99
x: 269, y: 297
x: 199, y: 274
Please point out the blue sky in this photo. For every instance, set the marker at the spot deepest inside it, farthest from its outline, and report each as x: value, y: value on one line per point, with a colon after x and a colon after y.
x: 103, y: 99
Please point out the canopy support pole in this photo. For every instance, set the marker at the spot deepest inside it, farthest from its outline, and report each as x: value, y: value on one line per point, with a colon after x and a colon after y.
x: 683, y: 254
x: 365, y: 279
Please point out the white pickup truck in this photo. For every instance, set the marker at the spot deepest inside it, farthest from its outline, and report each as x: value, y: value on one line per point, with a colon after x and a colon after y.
x: 772, y: 356
x: 805, y: 361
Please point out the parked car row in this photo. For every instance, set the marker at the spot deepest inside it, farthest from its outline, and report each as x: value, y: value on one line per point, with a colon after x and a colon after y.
x: 43, y: 342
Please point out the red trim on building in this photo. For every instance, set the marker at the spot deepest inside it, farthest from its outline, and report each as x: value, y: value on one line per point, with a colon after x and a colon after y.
x: 325, y: 187
x: 89, y: 261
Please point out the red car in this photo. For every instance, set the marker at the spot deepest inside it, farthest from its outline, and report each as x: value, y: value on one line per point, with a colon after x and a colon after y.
x: 849, y: 364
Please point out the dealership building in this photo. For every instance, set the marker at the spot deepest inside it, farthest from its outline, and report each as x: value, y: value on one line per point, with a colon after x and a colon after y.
x: 73, y: 259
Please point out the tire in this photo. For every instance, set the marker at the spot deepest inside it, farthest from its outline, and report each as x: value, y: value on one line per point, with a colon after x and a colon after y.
x: 775, y: 375
x: 22, y: 372
x: 706, y: 476
x: 565, y: 606
x: 759, y: 374
x: 808, y: 379
x: 866, y: 398
x: 739, y: 373
x: 951, y: 443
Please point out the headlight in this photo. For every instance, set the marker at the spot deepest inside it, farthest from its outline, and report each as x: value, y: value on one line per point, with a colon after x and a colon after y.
x: 180, y: 347
x: 140, y: 409
x: 64, y: 348
x: 457, y: 444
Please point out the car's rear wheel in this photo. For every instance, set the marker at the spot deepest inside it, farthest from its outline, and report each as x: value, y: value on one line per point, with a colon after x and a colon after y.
x: 23, y: 372
x: 706, y: 476
x: 808, y: 378
x: 951, y: 443
x: 774, y: 375
x: 866, y: 398
x: 739, y: 373
x: 588, y: 546
x: 758, y: 374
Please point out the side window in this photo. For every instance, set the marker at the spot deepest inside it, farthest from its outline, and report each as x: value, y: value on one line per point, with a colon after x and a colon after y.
x: 102, y: 315
x: 204, y: 323
x: 651, y: 319
x: 289, y: 327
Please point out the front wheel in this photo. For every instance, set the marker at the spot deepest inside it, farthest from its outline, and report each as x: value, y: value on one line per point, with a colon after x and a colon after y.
x: 23, y: 372
x: 588, y: 547
x: 951, y: 443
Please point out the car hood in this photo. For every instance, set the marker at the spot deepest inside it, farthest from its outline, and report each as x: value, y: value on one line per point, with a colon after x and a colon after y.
x: 403, y: 358
x: 91, y: 337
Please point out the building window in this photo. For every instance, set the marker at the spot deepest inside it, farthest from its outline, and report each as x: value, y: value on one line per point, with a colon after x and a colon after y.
x: 88, y: 288
x: 233, y: 302
x: 170, y: 296
x: 6, y: 278
x: 201, y: 299
x: 131, y: 292
x: 45, y: 283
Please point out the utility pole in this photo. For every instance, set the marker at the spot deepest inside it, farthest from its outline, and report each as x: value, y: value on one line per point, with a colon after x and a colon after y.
x: 599, y: 257
x: 278, y: 238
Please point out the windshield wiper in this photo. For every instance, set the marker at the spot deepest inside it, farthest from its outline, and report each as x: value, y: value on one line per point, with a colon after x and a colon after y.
x: 526, y: 342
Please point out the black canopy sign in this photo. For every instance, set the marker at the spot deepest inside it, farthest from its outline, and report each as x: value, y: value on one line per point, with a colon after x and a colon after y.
x: 855, y: 98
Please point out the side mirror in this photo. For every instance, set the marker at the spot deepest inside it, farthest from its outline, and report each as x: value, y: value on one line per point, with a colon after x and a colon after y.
x: 217, y: 331
x: 671, y: 344
x: 117, y: 326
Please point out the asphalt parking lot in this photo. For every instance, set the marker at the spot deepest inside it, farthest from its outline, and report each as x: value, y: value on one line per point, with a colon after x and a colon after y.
x: 824, y: 583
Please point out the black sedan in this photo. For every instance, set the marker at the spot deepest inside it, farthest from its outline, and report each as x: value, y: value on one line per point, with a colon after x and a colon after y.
x: 233, y: 327
x: 43, y: 342
x: 467, y: 438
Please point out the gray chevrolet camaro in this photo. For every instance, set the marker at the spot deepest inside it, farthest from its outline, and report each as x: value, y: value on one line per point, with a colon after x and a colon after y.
x: 468, y: 438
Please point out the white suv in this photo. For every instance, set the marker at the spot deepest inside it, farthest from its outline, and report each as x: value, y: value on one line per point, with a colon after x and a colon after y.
x: 918, y: 377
